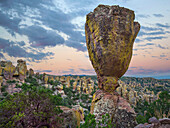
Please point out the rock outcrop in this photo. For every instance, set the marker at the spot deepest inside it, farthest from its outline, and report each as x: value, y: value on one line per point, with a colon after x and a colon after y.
x: 21, y: 69
x: 120, y: 111
x: 30, y: 72
x: 110, y: 34
x: 8, y: 70
x: 45, y: 78
x: 154, y: 123
x: 71, y: 117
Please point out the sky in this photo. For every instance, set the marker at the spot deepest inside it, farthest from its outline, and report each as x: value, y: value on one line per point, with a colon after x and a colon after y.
x: 50, y: 36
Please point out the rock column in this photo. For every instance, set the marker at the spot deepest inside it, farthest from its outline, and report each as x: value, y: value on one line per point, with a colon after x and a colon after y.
x: 110, y: 34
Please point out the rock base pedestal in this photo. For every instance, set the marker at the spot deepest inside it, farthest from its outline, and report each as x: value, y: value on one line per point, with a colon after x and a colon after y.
x: 120, y: 111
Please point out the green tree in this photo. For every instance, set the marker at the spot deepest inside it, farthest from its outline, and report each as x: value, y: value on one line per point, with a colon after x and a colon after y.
x: 34, y: 108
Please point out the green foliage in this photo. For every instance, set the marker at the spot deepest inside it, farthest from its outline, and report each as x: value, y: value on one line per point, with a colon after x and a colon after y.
x: 32, y: 81
x: 141, y: 119
x: 30, y: 109
x: 90, y: 122
x: 3, y: 88
x: 11, y: 81
x: 157, y: 109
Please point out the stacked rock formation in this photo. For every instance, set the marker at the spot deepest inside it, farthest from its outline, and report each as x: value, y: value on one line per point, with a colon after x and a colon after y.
x: 8, y: 70
x: 110, y: 34
x: 21, y: 69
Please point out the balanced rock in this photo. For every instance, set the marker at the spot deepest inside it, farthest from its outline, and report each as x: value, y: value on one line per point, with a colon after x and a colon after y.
x: 110, y: 34
x: 122, y: 115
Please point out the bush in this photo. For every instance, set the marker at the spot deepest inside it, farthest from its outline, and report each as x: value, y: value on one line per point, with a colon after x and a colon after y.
x: 35, y: 108
x: 90, y: 122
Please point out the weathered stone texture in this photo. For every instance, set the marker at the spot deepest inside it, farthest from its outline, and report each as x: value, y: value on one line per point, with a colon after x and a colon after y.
x: 110, y: 34
x: 7, y: 69
x: 21, y: 69
x: 71, y: 117
x: 122, y: 115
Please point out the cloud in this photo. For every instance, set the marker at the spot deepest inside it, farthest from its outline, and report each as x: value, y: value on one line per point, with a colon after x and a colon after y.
x: 146, y: 28
x: 4, y: 43
x: 43, y: 71
x: 141, y: 33
x: 163, y: 55
x: 162, y: 47
x: 163, y: 25
x: 155, y: 38
x: 40, y: 37
x: 87, y: 71
x: 12, y: 25
x: 1, y: 55
x: 137, y: 40
x: 69, y: 71
x: 29, y: 18
x: 17, y: 51
x: 158, y: 15
x: 147, y: 44
x: 142, y: 16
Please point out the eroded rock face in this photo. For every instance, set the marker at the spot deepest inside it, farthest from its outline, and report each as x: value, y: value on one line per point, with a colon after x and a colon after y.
x: 110, y: 34
x: 7, y: 69
x: 120, y: 111
x: 21, y: 69
x: 71, y: 117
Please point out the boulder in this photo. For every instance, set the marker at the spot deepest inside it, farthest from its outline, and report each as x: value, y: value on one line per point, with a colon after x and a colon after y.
x: 164, y: 121
x: 120, y: 111
x: 153, y: 120
x: 71, y: 117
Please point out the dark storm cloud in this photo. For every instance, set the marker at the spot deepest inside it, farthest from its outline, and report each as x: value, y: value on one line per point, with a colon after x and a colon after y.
x: 158, y: 15
x: 163, y: 25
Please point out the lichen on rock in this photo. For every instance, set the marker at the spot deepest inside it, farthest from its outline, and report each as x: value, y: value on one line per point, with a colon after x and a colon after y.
x: 110, y: 34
